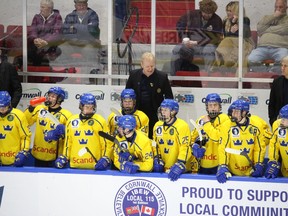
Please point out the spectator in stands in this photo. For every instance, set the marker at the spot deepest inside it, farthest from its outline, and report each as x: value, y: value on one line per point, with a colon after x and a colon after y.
x: 227, y: 51
x: 273, y: 39
x: 278, y: 93
x: 151, y: 87
x: 10, y: 81
x: 121, y: 8
x: 44, y: 36
x: 82, y: 47
x: 203, y: 28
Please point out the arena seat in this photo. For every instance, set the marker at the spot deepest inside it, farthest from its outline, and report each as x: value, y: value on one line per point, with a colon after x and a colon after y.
x: 261, y: 75
x: 187, y: 83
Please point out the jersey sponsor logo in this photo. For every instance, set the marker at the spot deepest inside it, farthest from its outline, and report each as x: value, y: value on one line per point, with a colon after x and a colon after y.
x: 8, y: 154
x: 124, y: 144
x: 235, y: 132
x: 184, y: 98
x: 36, y: 148
x: 282, y: 133
x: 159, y: 131
x: 75, y: 123
x: 77, y: 160
x: 140, y: 197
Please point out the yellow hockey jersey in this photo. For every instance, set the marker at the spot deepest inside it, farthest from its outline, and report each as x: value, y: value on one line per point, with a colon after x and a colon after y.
x: 14, y: 136
x: 278, y: 146
x: 247, y: 138
x: 173, y: 144
x: 83, y: 143
x: 140, y: 148
x: 42, y: 150
x: 211, y: 134
x: 142, y: 122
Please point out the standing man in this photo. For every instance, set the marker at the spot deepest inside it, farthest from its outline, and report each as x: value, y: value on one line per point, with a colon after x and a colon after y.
x: 278, y: 96
x: 9, y: 81
x: 151, y: 87
x: 273, y: 39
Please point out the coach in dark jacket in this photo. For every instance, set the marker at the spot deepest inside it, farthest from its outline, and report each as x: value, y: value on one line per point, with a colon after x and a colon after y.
x: 151, y: 87
x: 9, y: 81
x: 279, y: 92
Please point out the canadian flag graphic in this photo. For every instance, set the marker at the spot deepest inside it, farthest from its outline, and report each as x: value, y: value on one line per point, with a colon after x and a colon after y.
x: 147, y: 210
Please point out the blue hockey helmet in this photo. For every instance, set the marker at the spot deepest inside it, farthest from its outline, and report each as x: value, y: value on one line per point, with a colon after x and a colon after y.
x: 240, y: 104
x: 5, y: 99
x: 283, y: 113
x: 170, y: 104
x: 127, y: 122
x: 213, y: 97
x: 59, y: 92
x: 128, y: 93
x: 87, y: 98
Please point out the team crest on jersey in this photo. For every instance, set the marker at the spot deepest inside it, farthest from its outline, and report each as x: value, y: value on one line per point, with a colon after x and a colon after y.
x: 171, y: 132
x: 90, y: 122
x: 140, y: 197
x: 252, y: 130
x: 235, y: 132
x: 282, y: 133
x: 10, y: 118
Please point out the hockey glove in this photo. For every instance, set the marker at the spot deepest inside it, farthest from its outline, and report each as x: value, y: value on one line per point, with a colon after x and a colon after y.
x: 176, y: 170
x: 129, y: 167
x: 258, y: 170
x: 272, y: 170
x: 158, y: 165
x: 223, y: 174
x: 125, y: 156
x: 198, y: 152
x: 20, y: 158
x: 103, y: 164
x: 61, y: 162
x: 55, y: 134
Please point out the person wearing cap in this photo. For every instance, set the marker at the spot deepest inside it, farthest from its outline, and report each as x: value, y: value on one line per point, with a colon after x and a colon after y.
x: 202, y: 31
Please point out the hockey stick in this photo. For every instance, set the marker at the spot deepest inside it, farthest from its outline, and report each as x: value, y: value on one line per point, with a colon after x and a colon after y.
x: 112, y: 139
x: 114, y: 110
x: 50, y: 116
x: 84, y: 150
x: 198, y: 130
x: 240, y: 152
x: 154, y: 144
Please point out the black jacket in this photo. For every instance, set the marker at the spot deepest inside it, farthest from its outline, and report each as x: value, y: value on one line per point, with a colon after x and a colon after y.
x: 10, y: 81
x: 161, y: 87
x: 276, y: 99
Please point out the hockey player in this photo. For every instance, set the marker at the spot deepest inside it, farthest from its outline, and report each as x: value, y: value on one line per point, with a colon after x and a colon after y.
x: 243, y: 136
x: 49, y: 135
x: 134, y: 153
x: 128, y: 107
x: 83, y: 146
x: 172, y: 137
x: 210, y: 129
x: 278, y: 146
x: 14, y: 133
